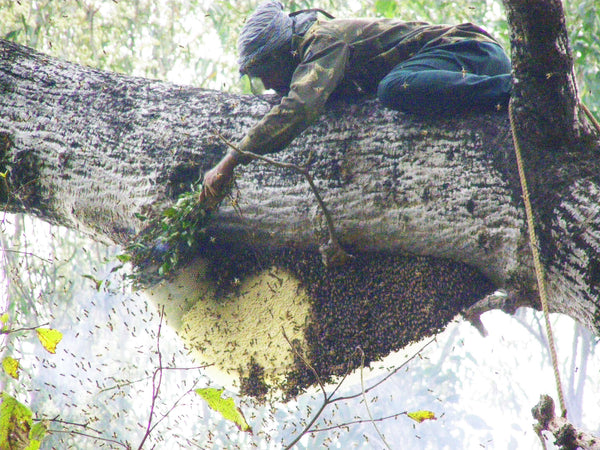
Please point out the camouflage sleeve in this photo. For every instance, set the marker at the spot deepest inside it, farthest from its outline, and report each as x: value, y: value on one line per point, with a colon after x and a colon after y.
x: 322, y: 67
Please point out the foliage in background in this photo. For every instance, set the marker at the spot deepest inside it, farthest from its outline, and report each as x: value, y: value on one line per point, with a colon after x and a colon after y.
x: 194, y: 41
x: 36, y: 274
x: 583, y: 22
x: 170, y: 40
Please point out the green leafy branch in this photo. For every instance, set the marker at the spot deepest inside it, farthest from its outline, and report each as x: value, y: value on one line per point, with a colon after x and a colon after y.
x: 180, y: 229
x: 168, y: 239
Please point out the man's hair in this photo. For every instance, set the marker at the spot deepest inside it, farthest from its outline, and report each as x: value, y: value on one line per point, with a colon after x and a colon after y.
x: 268, y: 30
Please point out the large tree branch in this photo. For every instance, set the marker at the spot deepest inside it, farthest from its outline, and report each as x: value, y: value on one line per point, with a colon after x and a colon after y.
x: 93, y: 151
x: 89, y: 150
x: 560, y: 151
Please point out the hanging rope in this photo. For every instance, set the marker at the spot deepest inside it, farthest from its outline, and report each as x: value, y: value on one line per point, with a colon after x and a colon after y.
x: 539, y: 272
x: 590, y: 116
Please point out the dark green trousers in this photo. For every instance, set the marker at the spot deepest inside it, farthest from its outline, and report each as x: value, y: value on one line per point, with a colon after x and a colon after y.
x: 455, y: 77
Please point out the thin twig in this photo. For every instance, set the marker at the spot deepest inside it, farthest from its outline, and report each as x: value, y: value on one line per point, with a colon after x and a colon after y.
x: 364, y: 395
x: 79, y: 433
x: 305, y: 361
x: 24, y: 329
x: 28, y: 254
x: 85, y: 426
x: 307, y: 427
x: 340, y: 255
x: 590, y: 116
x: 122, y: 384
x: 392, y: 373
x: 155, y: 384
x: 266, y: 159
x: 173, y: 407
x: 329, y: 398
x: 541, y: 437
x: 348, y: 370
x: 356, y: 422
x: 74, y: 424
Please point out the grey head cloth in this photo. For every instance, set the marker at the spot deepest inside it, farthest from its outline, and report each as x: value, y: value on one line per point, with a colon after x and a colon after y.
x: 269, y: 29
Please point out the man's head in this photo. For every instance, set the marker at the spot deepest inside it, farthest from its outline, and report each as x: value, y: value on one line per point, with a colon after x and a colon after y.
x: 265, y: 44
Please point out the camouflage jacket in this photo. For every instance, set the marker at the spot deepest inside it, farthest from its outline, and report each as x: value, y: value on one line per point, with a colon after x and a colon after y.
x: 345, y: 57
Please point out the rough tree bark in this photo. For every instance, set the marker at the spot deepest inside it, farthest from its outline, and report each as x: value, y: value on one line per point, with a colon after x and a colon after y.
x: 560, y: 154
x: 89, y: 149
x: 566, y: 434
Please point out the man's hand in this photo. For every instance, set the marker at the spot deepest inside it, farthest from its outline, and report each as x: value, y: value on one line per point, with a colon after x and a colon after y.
x: 216, y: 179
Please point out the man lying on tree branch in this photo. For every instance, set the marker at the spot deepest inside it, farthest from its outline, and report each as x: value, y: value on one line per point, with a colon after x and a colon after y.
x: 412, y: 66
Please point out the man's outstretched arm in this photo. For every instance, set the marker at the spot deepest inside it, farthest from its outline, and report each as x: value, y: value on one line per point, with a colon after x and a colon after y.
x: 324, y: 63
x: 217, y: 178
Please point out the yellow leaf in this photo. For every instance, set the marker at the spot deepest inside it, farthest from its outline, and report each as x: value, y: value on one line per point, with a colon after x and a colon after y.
x: 11, y: 367
x: 421, y: 416
x: 49, y: 338
x: 225, y: 406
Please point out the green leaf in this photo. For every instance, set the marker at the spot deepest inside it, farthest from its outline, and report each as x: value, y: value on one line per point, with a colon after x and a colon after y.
x: 225, y: 406
x: 164, y: 268
x: 387, y: 8
x: 15, y: 423
x: 97, y: 283
x: 124, y: 258
x: 33, y: 445
x: 170, y: 212
x: 37, y: 435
